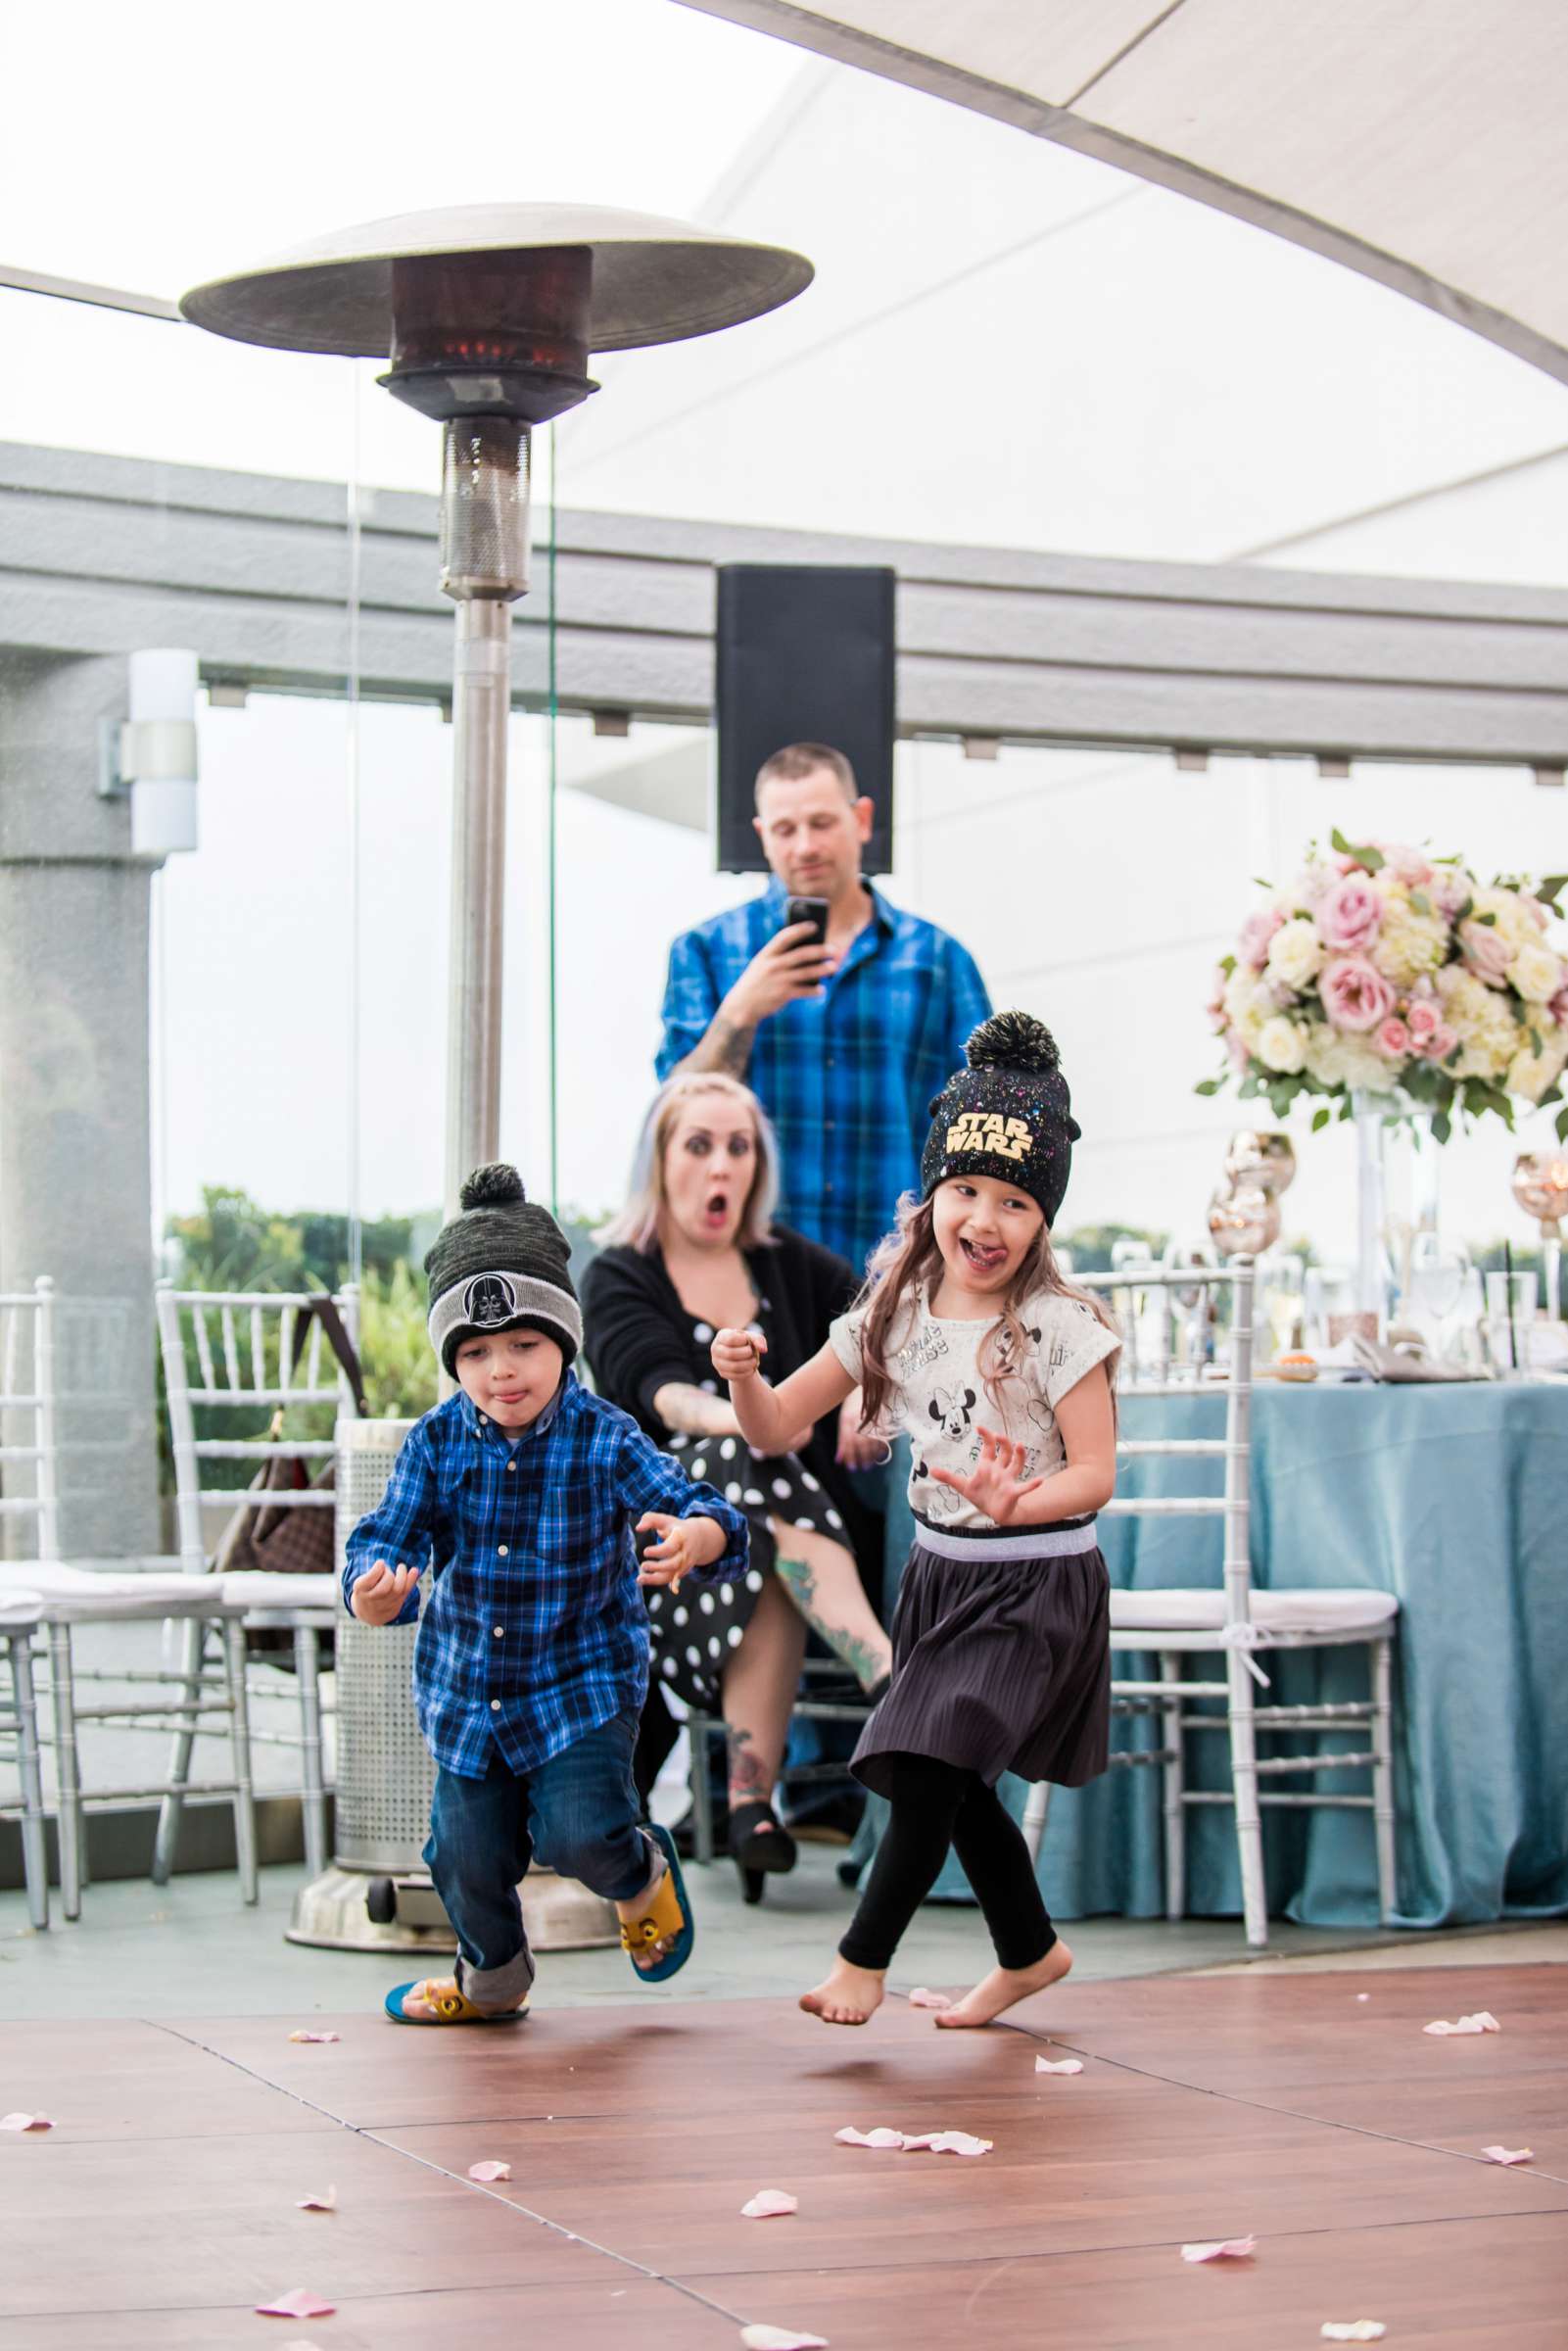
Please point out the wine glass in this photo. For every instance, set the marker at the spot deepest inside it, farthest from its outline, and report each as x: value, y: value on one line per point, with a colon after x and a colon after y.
x: 1282, y: 1279
x: 1438, y: 1269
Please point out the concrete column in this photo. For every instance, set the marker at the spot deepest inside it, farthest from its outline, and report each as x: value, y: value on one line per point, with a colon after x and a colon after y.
x: 75, y: 1184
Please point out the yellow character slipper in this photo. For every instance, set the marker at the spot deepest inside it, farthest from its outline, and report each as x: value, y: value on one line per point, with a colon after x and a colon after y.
x: 452, y: 2006
x: 669, y: 1913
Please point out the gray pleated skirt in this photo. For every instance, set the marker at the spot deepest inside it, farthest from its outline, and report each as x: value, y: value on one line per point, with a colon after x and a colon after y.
x: 1001, y: 1658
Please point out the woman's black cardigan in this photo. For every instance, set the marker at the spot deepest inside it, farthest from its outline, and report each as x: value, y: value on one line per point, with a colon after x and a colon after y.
x: 638, y: 1339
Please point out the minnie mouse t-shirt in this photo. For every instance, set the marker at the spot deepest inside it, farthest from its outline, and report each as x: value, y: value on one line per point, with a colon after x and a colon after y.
x: 941, y: 1399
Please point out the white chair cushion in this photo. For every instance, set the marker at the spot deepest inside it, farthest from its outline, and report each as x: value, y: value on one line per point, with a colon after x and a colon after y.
x: 255, y: 1588
x: 19, y: 1611
x: 77, y: 1596
x: 1301, y: 1609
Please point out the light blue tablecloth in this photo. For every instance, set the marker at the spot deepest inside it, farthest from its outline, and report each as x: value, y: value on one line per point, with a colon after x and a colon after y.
x: 1456, y: 1497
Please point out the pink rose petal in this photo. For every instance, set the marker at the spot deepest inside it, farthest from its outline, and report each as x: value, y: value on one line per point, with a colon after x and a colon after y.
x: 1509, y: 2154
x: 781, y: 2338
x: 486, y: 2173
x: 920, y: 1998
x: 25, y: 2121
x: 316, y: 2037
x: 948, y: 2142
x: 297, y: 2303
x: 1058, y: 2065
x: 770, y: 2204
x: 1483, y: 2021
x: 1224, y: 2248
x: 1353, y: 2330
x: 327, y: 2201
x: 849, y: 2137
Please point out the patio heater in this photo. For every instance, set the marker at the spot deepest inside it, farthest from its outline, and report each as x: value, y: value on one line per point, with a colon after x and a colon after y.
x: 487, y: 314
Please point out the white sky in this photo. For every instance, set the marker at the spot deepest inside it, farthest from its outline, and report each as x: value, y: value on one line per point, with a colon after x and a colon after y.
x: 1005, y: 343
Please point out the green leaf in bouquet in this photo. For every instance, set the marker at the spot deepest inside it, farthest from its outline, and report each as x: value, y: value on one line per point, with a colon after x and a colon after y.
x: 1261, y: 881
x: 1420, y: 902
x: 1320, y: 1119
x: 1562, y: 1126
x: 1552, y: 889
x: 1209, y: 1085
x: 1228, y: 964
x: 1441, y: 1127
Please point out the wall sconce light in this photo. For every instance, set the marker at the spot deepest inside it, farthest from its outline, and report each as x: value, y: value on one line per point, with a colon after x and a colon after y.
x: 151, y: 757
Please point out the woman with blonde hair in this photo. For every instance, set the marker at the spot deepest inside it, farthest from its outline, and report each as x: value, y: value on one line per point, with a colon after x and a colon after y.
x: 695, y: 1251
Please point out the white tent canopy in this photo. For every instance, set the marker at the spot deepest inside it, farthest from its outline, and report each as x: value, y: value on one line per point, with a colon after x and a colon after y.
x: 1420, y: 145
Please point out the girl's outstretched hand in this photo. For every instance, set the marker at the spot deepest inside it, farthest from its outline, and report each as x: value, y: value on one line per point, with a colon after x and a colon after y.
x: 738, y: 1353
x: 997, y: 1484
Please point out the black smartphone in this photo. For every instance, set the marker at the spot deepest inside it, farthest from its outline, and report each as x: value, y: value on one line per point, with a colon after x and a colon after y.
x: 809, y: 910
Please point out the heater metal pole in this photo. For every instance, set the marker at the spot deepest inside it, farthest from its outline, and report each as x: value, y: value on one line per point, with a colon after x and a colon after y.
x: 484, y: 516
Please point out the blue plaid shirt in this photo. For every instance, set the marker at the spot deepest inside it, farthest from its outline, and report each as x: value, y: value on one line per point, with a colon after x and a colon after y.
x: 847, y: 1082
x: 536, y: 1631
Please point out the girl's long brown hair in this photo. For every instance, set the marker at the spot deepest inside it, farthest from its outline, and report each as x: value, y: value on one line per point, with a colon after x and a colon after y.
x: 908, y: 1259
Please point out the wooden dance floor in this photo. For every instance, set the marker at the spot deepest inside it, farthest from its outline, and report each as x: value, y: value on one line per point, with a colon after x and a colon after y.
x: 163, y: 2205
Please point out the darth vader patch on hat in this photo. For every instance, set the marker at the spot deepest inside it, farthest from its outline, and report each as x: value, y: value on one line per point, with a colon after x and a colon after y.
x: 489, y: 1301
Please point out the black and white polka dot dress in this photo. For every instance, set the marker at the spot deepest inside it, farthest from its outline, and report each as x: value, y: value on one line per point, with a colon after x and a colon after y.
x: 695, y: 1629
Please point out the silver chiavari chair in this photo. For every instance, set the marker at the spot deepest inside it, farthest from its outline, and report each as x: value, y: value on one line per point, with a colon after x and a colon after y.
x: 236, y: 1352
x: 1233, y: 1618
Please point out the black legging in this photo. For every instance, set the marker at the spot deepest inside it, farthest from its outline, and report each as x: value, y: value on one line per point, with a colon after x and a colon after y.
x: 935, y: 1805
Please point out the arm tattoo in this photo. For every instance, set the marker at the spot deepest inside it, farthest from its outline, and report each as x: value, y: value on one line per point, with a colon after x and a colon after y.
x: 726, y: 1047
x: 693, y: 1410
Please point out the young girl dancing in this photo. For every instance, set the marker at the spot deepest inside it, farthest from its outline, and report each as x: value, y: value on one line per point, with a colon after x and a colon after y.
x: 1001, y: 1373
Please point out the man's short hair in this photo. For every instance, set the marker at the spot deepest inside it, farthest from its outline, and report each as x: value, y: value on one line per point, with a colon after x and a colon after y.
x: 798, y: 760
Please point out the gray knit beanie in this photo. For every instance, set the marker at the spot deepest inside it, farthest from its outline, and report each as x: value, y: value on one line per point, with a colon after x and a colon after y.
x: 498, y: 1266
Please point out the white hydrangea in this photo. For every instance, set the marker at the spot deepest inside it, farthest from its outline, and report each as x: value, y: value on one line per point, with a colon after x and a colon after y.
x: 1353, y: 1062
x: 1512, y: 918
x: 1296, y: 955
x: 1410, y: 945
x: 1532, y: 1074
x: 1487, y: 1029
x: 1282, y: 1045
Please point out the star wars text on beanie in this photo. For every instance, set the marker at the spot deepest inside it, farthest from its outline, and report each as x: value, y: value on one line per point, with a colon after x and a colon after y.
x: 502, y: 1262
x: 1007, y: 1114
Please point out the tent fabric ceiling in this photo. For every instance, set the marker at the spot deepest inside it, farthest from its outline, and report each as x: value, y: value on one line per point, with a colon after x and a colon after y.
x: 1419, y: 143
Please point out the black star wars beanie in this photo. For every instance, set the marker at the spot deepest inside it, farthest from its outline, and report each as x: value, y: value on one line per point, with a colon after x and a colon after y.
x: 502, y: 1262
x: 1007, y: 1114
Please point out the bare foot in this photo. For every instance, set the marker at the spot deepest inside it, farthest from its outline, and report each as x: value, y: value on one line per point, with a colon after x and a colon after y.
x: 849, y: 1997
x: 1003, y: 1987
x: 646, y: 1955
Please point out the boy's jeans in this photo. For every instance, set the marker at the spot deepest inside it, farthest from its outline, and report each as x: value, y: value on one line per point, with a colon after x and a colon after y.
x: 577, y: 1811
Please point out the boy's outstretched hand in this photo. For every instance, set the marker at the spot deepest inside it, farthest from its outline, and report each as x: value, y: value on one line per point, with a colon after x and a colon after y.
x: 996, y: 1484
x: 379, y: 1593
x: 682, y: 1544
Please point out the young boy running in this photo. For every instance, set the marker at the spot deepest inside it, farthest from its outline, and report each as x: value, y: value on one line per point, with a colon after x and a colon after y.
x: 531, y: 1665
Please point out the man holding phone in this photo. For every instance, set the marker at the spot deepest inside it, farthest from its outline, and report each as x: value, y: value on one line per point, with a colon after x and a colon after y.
x: 843, y: 1013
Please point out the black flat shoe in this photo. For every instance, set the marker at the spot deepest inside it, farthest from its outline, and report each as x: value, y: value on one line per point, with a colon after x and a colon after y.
x: 759, y: 1843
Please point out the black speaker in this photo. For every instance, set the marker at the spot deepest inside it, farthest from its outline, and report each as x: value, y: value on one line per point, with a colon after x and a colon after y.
x: 805, y: 654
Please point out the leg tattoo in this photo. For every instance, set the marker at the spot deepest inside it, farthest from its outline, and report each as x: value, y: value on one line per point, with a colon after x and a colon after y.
x: 866, y: 1652
x: 750, y: 1780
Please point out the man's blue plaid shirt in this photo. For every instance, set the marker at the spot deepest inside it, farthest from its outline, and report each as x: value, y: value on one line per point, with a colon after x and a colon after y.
x: 847, y: 1082
x: 536, y: 1631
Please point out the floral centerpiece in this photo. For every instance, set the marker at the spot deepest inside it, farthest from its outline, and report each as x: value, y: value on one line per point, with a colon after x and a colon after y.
x: 1381, y: 971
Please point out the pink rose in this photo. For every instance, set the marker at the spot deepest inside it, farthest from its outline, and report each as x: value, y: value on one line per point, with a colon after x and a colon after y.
x: 1440, y: 1043
x: 1236, y: 1047
x: 1409, y: 864
x: 1394, y: 1040
x: 1356, y: 997
x: 1423, y: 1020
x: 1558, y: 1007
x: 1486, y: 953
x: 1349, y: 913
x: 1255, y: 933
